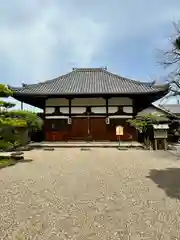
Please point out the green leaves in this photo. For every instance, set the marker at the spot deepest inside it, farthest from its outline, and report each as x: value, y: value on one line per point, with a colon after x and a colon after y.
x: 137, y: 123
x: 7, y: 104
x: 31, y: 119
x: 5, y: 91
x: 9, y: 122
x: 142, y: 123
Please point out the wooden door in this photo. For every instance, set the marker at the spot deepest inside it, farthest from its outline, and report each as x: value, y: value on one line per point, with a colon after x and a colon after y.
x: 79, y: 129
x: 98, y: 129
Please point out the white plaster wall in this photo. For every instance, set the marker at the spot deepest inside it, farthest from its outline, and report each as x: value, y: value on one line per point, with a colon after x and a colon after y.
x: 98, y: 109
x: 120, y: 116
x: 78, y: 109
x: 49, y: 110
x: 128, y: 109
x: 64, y: 109
x: 56, y: 117
x: 112, y: 109
x: 88, y: 102
x: 57, y: 102
x: 120, y: 101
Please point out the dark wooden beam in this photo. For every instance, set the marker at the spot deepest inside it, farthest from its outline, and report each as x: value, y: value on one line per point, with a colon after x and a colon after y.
x: 70, y: 103
x: 134, y: 108
x: 107, y: 110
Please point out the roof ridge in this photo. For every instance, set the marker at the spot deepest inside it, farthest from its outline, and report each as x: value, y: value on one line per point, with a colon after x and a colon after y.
x: 89, y: 69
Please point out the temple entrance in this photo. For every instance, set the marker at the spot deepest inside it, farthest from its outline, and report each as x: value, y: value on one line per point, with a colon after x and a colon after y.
x: 79, y: 128
x: 88, y: 128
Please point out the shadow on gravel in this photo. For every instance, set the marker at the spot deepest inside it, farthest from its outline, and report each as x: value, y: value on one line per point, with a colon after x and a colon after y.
x: 8, y: 162
x: 168, y: 180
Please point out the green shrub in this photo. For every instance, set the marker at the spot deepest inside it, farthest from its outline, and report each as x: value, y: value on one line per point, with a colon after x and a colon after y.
x: 5, y: 91
x: 4, y: 145
x: 31, y: 119
x: 14, y: 123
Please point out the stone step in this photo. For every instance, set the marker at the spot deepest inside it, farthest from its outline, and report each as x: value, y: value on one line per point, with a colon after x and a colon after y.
x: 14, y: 155
x: 86, y: 145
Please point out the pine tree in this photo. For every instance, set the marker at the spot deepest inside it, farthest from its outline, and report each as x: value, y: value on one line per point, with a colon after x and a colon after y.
x: 11, y: 121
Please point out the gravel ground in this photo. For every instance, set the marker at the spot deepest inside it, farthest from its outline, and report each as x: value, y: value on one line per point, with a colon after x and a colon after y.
x: 96, y: 194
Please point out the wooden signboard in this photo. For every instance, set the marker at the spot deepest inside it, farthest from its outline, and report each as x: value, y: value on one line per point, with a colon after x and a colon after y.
x: 119, y: 131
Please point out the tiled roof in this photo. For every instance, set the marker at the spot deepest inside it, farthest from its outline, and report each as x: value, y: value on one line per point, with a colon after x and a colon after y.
x: 173, y: 108
x: 88, y: 81
x: 164, y: 110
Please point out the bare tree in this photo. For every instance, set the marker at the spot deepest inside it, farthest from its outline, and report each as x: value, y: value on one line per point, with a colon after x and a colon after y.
x: 172, y: 56
x: 171, y: 59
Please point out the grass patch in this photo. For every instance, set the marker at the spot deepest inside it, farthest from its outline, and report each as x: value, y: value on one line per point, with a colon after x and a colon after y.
x: 5, y: 162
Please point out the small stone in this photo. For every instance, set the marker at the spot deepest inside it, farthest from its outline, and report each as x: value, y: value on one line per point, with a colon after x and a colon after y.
x: 16, y: 153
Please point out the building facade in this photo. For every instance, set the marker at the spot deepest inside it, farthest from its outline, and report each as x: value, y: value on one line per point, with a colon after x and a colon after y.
x: 88, y: 104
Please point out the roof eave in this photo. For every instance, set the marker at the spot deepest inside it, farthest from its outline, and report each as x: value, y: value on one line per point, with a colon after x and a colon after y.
x: 33, y: 100
x: 158, y: 91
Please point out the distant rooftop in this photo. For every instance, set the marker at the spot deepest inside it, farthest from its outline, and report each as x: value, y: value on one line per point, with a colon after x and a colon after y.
x: 173, y: 108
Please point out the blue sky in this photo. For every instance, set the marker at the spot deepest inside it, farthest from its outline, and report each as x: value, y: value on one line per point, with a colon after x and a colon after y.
x: 42, y: 39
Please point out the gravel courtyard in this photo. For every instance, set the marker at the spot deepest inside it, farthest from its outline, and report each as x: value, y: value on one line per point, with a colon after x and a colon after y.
x: 96, y: 194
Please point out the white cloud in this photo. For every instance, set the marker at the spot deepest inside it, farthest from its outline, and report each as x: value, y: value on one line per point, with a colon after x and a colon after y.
x: 41, y: 39
x: 53, y: 35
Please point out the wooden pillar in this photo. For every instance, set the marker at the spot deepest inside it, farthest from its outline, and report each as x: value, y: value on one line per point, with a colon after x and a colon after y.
x: 44, y: 120
x: 165, y: 144
x: 70, y: 102
x: 134, y: 106
x: 155, y: 144
x: 107, y: 115
x: 107, y: 112
x: 68, y: 136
